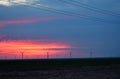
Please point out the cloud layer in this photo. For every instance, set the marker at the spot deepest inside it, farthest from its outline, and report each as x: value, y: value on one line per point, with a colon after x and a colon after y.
x: 17, y: 2
x: 4, y: 23
x: 32, y: 47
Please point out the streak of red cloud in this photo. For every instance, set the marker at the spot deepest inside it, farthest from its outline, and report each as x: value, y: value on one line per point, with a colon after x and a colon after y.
x: 4, y: 23
x: 32, y: 48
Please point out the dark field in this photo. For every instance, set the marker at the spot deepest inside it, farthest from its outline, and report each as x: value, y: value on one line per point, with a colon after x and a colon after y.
x: 95, y: 68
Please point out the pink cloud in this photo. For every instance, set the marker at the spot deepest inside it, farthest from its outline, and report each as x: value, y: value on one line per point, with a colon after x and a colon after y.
x: 32, y: 48
x: 4, y: 23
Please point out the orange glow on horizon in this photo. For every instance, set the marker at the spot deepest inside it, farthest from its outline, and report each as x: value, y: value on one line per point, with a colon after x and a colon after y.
x: 32, y: 48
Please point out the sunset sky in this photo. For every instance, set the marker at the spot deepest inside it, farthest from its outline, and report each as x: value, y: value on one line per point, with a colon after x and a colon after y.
x: 60, y: 28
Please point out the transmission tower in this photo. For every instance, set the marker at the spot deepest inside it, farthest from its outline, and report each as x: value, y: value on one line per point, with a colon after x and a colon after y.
x: 22, y: 55
x: 70, y: 54
x: 47, y: 55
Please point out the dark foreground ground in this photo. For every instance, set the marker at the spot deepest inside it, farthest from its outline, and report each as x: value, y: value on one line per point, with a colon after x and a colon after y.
x: 95, y: 68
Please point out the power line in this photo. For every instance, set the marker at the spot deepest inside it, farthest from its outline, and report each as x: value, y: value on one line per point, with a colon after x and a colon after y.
x: 58, y: 11
x: 68, y: 13
x: 73, y: 14
x: 53, y: 10
x: 89, y: 7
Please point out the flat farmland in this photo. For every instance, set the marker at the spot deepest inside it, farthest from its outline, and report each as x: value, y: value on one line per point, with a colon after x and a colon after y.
x: 95, y: 68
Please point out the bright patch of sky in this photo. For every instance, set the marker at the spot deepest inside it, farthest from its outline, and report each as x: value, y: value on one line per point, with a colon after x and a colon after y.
x: 16, y: 2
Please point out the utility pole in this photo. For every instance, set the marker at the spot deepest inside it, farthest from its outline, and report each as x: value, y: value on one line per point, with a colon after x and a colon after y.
x: 22, y: 54
x: 70, y: 54
x: 47, y: 55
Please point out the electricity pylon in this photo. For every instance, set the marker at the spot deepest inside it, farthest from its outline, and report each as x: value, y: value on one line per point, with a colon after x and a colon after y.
x: 47, y: 55
x: 22, y: 54
x: 70, y: 54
